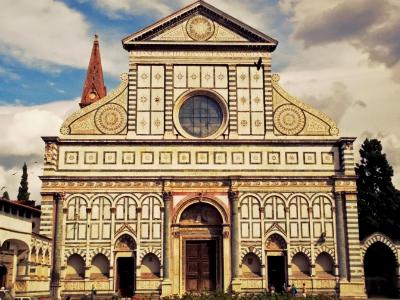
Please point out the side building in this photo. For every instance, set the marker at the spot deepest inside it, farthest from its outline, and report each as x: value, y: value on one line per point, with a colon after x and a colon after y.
x: 25, y: 255
x: 199, y: 172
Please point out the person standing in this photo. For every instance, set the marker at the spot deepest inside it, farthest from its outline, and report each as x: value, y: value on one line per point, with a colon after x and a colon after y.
x: 304, y: 291
x: 293, y: 290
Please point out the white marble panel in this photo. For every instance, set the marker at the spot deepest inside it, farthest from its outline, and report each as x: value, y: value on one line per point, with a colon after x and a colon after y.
x: 143, y: 99
x: 305, y: 229
x: 157, y: 99
x: 70, y: 231
x: 243, y: 99
x: 207, y: 77
x: 180, y: 76
x: 143, y: 74
x: 256, y: 230
x: 242, y: 77
x: 158, y: 78
x: 256, y: 78
x: 194, y: 76
x: 221, y: 77
x: 144, y: 230
x: 317, y: 229
x: 244, y: 124
x: 257, y: 100
x: 106, y: 232
x: 143, y: 122
x: 94, y: 234
x: 257, y: 123
x: 294, y: 229
x: 245, y: 229
x: 329, y: 229
x: 157, y: 120
x: 156, y: 230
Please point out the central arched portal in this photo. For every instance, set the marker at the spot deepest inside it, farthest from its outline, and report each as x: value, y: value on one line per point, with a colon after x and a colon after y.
x: 125, y: 261
x: 200, y: 228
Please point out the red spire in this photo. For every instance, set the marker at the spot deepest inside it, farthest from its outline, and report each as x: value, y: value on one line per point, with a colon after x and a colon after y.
x: 94, y: 88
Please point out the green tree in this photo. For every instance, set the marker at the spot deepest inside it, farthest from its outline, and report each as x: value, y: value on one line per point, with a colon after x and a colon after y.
x: 6, y: 195
x: 378, y: 200
x: 23, y: 189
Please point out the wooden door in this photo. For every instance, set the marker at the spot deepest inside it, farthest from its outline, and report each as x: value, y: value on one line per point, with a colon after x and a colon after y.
x: 200, y: 266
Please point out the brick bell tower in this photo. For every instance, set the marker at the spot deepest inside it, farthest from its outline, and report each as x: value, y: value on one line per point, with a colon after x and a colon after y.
x: 94, y: 88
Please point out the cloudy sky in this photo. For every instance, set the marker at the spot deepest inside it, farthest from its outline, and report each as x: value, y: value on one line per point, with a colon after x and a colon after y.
x: 340, y: 56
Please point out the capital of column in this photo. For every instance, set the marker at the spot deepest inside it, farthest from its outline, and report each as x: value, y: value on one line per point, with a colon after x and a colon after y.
x: 233, y: 195
x: 167, y: 195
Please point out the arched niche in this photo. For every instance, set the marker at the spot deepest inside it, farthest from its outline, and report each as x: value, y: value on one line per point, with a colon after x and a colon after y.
x: 300, y: 265
x: 75, y: 267
x: 125, y: 243
x: 251, y: 265
x: 275, y: 243
x: 324, y: 265
x: 150, y: 267
x: 100, y: 267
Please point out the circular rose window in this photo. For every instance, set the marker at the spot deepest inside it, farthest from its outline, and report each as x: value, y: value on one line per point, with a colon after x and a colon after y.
x: 201, y: 116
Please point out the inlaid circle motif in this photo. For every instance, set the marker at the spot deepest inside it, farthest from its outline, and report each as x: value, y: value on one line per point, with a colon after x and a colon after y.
x: 111, y: 118
x: 289, y: 119
x: 200, y: 28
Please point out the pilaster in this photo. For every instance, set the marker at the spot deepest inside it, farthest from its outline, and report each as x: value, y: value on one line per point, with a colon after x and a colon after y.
x: 55, y: 284
x: 235, y: 243
x: 166, y: 288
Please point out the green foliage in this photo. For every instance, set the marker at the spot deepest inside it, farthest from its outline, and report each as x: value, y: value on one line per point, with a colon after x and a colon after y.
x: 378, y: 200
x: 23, y: 189
x: 6, y: 195
x: 246, y: 296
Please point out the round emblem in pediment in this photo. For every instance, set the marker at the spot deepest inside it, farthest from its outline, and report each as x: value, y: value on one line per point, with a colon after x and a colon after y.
x: 111, y: 118
x: 289, y: 119
x: 200, y: 28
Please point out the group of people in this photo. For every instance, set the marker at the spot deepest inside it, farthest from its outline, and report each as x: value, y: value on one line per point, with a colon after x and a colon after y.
x: 290, y: 289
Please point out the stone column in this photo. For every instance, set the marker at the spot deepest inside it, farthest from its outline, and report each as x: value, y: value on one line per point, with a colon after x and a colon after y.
x: 167, y: 283
x: 341, y: 238
x: 55, y: 284
x: 235, y: 244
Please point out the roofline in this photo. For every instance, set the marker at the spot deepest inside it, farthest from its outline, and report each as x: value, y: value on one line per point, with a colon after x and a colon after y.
x: 20, y: 205
x: 198, y: 3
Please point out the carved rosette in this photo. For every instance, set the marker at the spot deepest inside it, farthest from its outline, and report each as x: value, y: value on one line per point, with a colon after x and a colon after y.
x: 289, y: 119
x: 111, y: 118
x: 200, y: 28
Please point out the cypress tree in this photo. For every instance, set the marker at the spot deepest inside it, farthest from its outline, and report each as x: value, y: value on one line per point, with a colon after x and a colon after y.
x: 6, y: 195
x: 378, y: 200
x: 23, y: 194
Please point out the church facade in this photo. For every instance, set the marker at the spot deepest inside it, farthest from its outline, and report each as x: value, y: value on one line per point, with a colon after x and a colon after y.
x: 199, y: 173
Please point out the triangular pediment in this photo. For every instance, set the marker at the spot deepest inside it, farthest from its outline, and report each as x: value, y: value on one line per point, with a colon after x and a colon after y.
x: 201, y: 24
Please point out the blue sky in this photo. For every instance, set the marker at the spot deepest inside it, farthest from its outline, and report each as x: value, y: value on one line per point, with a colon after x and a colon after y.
x: 342, y: 57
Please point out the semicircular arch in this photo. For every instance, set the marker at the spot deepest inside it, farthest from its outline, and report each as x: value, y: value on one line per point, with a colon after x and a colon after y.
x: 213, y: 202
x: 378, y: 237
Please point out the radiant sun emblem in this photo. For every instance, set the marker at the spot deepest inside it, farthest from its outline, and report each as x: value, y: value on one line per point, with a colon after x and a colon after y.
x: 200, y: 28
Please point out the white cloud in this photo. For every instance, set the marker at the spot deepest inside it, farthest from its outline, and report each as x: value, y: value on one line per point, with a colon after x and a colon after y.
x: 116, y: 8
x: 22, y: 128
x: 311, y: 72
x: 48, y: 34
